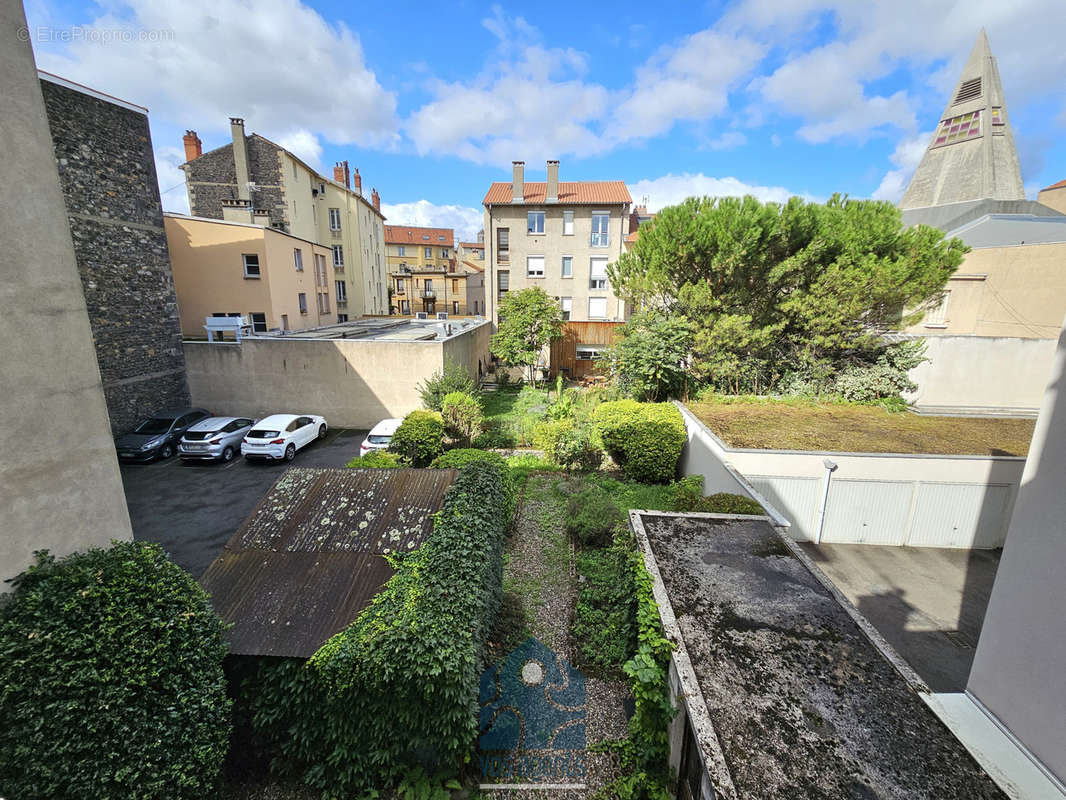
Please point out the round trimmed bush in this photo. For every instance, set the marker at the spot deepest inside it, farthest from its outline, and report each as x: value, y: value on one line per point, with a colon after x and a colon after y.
x: 111, y: 676
x: 420, y: 438
x: 460, y: 457
x: 644, y: 439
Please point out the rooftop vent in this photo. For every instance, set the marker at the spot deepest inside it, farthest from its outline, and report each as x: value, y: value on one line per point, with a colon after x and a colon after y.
x: 968, y: 91
x: 421, y: 315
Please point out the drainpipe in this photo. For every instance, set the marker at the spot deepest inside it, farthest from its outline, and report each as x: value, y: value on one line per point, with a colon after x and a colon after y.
x: 829, y: 467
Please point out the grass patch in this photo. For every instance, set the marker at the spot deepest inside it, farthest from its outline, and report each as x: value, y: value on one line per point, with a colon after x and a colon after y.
x: 628, y: 495
x: 515, y: 411
x: 795, y: 424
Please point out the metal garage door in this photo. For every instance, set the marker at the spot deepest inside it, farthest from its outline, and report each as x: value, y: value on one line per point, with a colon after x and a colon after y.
x: 959, y: 515
x: 867, y: 512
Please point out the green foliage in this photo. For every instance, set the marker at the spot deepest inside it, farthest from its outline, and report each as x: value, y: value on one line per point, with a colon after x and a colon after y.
x: 463, y: 457
x: 418, y: 785
x: 420, y: 438
x: 453, y: 378
x: 885, y: 378
x: 644, y: 439
x: 650, y: 360
x: 495, y: 436
x: 529, y: 320
x: 375, y: 459
x: 398, y: 688
x: 605, y: 617
x: 687, y: 495
x: 548, y: 433
x: 771, y: 289
x: 575, y: 450
x: 462, y: 416
x: 111, y: 682
x: 591, y: 516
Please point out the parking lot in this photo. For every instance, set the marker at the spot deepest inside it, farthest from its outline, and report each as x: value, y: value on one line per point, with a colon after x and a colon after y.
x: 192, y: 508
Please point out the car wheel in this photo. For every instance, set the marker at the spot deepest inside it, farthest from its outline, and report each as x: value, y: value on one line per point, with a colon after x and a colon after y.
x: 290, y: 452
x: 166, y: 451
x: 321, y: 431
x: 227, y: 454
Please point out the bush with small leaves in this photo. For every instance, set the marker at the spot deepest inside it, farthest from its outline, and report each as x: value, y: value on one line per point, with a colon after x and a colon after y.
x: 575, y: 450
x: 375, y: 459
x: 453, y: 378
x: 644, y: 439
x: 591, y: 516
x: 420, y: 438
x: 463, y: 416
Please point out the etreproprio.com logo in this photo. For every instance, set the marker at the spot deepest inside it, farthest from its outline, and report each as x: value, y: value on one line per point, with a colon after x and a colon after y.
x: 532, y: 721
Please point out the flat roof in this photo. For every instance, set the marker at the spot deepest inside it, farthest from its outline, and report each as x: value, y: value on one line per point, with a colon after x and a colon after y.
x: 787, y: 693
x: 384, y: 329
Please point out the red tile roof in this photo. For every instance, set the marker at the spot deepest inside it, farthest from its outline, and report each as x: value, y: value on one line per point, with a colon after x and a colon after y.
x: 407, y: 234
x: 572, y: 192
x: 473, y: 266
x: 473, y: 245
x: 1059, y: 185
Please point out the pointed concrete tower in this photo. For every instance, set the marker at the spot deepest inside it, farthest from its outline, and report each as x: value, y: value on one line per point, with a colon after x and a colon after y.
x: 971, y: 155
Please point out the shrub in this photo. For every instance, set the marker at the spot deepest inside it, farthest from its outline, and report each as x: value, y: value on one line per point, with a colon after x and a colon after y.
x: 687, y: 495
x: 591, y: 516
x: 547, y: 433
x: 462, y: 416
x: 463, y: 457
x: 644, y: 439
x: 495, y: 437
x: 604, y: 619
x: 375, y: 459
x: 399, y: 687
x: 111, y: 676
x: 574, y: 450
x: 453, y: 378
x: 885, y: 378
x: 420, y: 438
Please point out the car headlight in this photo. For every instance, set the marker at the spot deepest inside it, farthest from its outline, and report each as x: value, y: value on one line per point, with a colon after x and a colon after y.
x: 151, y: 443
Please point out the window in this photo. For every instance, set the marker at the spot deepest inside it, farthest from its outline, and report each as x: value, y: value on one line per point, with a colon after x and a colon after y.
x: 334, y: 219
x: 589, y: 352
x: 568, y: 266
x: 597, y: 272
x: 956, y: 129
x: 503, y: 280
x: 535, y: 266
x: 441, y: 238
x: 251, y: 265
x: 425, y: 237
x: 320, y: 269
x: 303, y: 302
x: 475, y: 306
x: 259, y: 321
x: 338, y: 255
x: 399, y: 286
x: 429, y: 252
x: 323, y: 303
x: 342, y: 292
x: 402, y: 250
x: 342, y: 318
x: 567, y: 305
x: 444, y: 252
x: 298, y: 259
x: 503, y: 250
x: 600, y: 221
x: 938, y: 317
x: 455, y: 306
x: 535, y: 222
x: 597, y: 308
x: 568, y: 223
x: 405, y: 307
x: 455, y: 285
x: 284, y: 322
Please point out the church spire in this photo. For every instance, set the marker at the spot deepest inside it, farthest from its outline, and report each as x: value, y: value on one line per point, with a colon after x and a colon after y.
x: 971, y: 155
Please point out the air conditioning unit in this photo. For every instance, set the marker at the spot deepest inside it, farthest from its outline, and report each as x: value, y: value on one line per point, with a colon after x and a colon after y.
x: 442, y: 315
x: 421, y: 315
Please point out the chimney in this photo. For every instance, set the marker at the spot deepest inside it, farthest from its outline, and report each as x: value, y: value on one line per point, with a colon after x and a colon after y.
x: 240, y: 157
x: 194, y: 148
x: 518, y: 182
x: 375, y: 199
x: 358, y: 182
x: 341, y: 174
x: 553, y: 182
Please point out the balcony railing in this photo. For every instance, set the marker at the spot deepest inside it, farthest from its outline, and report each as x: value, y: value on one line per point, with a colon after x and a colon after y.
x: 427, y: 294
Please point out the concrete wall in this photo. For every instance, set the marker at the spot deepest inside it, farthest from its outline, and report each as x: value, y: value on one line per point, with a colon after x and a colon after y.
x: 1019, y: 669
x: 62, y: 490
x: 916, y: 500
x: 980, y: 374
x: 352, y: 383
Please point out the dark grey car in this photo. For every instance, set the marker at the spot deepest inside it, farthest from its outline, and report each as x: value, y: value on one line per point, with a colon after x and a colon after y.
x: 214, y: 439
x: 158, y: 436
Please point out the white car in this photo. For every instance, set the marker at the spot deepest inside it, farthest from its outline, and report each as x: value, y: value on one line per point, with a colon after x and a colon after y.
x: 380, y: 436
x: 279, y: 436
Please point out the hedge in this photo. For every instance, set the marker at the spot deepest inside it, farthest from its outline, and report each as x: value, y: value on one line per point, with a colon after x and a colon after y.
x: 644, y: 439
x: 420, y: 438
x: 462, y: 457
x: 111, y: 681
x: 687, y: 495
x: 375, y: 459
x: 399, y: 687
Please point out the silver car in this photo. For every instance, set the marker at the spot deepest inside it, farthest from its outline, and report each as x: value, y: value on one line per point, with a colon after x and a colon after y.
x: 214, y: 439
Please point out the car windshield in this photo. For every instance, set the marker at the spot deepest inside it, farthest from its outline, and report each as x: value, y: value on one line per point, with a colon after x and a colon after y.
x: 153, y: 426
x: 262, y: 434
x: 378, y: 439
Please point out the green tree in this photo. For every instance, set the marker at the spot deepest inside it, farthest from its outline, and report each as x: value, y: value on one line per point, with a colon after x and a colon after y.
x: 529, y: 320
x: 462, y: 417
x: 650, y: 359
x: 453, y: 378
x: 776, y: 289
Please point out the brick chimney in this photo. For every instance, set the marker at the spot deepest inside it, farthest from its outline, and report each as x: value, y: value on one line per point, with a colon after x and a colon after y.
x: 194, y: 148
x: 518, y: 182
x: 375, y: 199
x: 358, y: 182
x: 553, y: 182
x: 240, y: 157
x: 341, y: 174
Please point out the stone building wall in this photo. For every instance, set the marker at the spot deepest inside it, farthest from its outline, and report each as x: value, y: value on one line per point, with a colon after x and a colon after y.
x: 212, y: 178
x: 107, y: 174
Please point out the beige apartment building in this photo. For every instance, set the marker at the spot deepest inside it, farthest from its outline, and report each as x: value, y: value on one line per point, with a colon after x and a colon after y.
x: 423, y: 271
x: 559, y: 236
x: 277, y: 280
x: 252, y: 180
x: 474, y: 252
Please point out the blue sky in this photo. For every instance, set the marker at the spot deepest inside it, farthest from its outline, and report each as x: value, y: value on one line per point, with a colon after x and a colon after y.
x: 432, y: 103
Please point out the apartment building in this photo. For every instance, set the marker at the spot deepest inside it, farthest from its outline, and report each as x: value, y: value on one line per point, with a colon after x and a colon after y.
x: 473, y: 252
x: 420, y: 263
x: 277, y: 280
x: 559, y: 236
x: 255, y: 181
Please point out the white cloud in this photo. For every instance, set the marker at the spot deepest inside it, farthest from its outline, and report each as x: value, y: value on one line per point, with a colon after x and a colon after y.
x: 171, y: 179
x: 907, y: 155
x: 728, y: 140
x: 465, y: 220
x: 671, y: 189
x: 305, y: 145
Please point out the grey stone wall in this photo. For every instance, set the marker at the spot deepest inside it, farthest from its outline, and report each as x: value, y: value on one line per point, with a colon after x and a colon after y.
x: 212, y: 178
x: 107, y: 174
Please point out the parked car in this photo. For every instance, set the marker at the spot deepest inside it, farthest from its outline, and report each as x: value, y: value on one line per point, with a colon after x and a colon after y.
x: 279, y: 436
x: 158, y: 436
x: 380, y: 436
x: 214, y: 439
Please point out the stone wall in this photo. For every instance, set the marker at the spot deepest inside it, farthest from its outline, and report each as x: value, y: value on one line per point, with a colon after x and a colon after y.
x: 212, y: 178
x: 107, y: 174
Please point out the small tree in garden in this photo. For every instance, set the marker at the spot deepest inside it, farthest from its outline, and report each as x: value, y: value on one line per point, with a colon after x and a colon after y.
x: 453, y: 378
x: 650, y: 359
x: 462, y: 416
x: 529, y: 320
x: 420, y: 438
